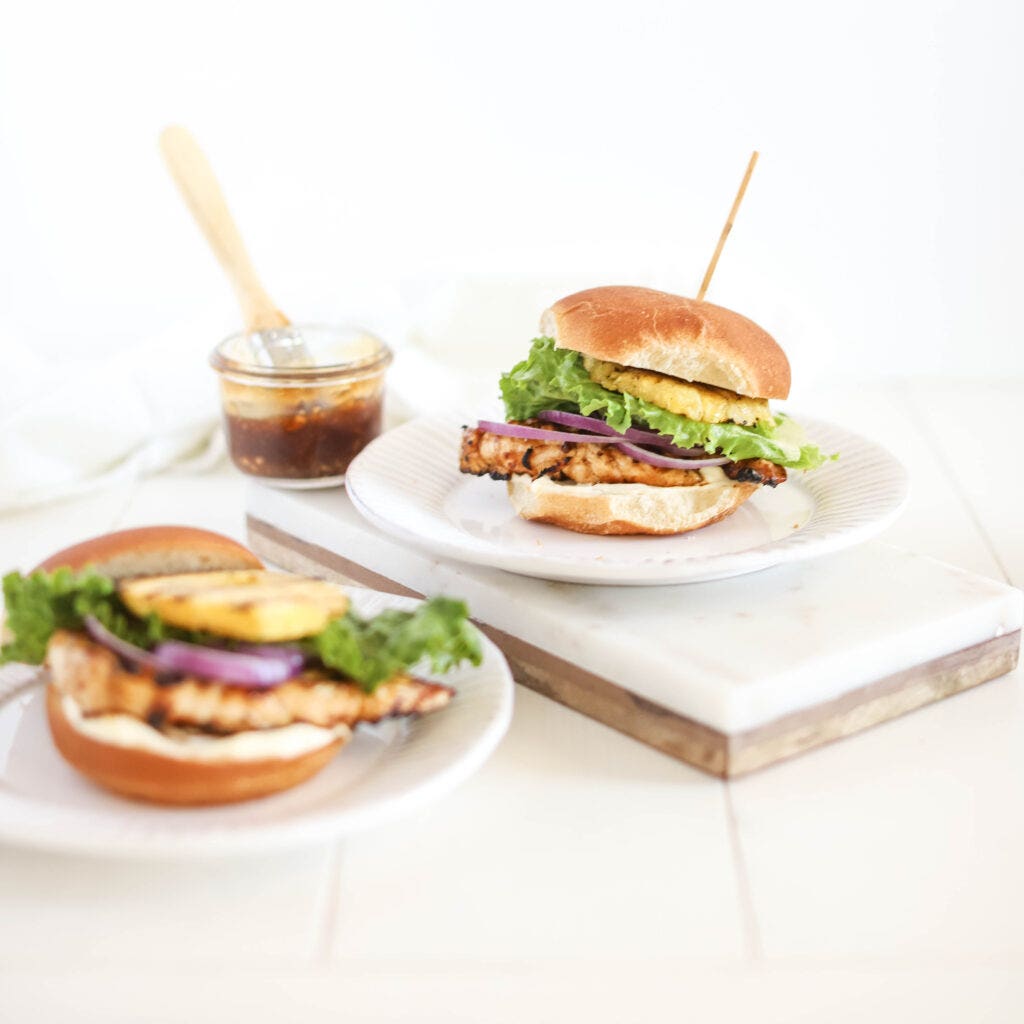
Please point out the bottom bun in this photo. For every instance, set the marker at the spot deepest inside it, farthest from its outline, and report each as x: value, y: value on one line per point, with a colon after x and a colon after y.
x: 625, y: 508
x: 145, y: 775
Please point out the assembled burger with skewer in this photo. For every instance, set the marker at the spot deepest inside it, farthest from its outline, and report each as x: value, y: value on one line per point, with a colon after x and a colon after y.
x: 640, y: 412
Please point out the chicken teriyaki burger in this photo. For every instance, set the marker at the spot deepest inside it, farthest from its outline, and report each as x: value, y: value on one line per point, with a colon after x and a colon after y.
x: 181, y: 672
x: 640, y: 412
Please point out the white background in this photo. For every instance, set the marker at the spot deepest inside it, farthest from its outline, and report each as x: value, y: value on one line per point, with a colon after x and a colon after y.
x: 592, y: 142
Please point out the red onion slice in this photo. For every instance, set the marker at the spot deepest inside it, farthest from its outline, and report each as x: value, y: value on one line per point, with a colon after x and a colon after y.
x: 539, y: 434
x: 224, y: 666
x: 668, y: 461
x: 130, y: 652
x: 291, y: 656
x: 261, y: 665
x: 672, y: 460
x: 579, y: 421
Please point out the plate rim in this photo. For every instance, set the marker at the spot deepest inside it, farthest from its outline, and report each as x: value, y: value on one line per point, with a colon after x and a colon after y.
x: 703, y: 568
x: 40, y: 825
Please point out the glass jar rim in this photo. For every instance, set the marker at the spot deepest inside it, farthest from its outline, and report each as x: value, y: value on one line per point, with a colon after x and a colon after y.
x: 365, y: 366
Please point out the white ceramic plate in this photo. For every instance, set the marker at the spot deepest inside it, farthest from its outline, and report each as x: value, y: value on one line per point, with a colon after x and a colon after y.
x: 408, y: 483
x: 383, y: 773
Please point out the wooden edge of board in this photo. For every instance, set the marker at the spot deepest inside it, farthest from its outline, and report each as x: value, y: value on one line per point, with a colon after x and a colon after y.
x: 722, y: 754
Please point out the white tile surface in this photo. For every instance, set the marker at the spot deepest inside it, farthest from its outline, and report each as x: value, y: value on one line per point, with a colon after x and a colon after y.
x: 986, y: 480
x: 580, y: 874
x: 601, y: 992
x: 79, y: 910
x: 937, y: 521
x: 30, y: 536
x: 572, y: 841
x: 210, y: 500
x: 906, y: 842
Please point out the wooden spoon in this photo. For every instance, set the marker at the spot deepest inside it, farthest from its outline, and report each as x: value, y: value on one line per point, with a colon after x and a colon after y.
x: 191, y: 171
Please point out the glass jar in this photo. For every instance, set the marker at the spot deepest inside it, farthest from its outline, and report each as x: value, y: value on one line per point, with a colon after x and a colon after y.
x: 297, y: 414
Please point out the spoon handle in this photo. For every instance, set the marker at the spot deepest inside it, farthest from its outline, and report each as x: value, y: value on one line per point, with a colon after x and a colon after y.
x: 195, y: 179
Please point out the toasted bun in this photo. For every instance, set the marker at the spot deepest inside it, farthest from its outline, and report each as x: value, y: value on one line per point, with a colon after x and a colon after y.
x: 155, y: 551
x: 144, y: 775
x: 684, y: 338
x: 624, y: 508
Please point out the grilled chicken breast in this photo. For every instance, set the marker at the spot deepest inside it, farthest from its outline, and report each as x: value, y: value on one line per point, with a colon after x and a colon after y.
x: 100, y: 684
x: 500, y: 457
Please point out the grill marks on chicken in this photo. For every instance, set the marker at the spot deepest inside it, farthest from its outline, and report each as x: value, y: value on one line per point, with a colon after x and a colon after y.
x: 100, y: 684
x: 500, y: 457
x: 755, y: 471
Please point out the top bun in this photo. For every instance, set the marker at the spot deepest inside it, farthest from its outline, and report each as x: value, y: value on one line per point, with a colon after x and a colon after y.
x: 155, y: 551
x: 684, y: 338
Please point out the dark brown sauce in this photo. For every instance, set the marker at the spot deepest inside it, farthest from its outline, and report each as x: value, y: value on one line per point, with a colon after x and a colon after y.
x: 310, y: 442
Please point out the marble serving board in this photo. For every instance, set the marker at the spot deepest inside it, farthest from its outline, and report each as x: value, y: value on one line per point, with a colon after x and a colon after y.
x: 729, y: 676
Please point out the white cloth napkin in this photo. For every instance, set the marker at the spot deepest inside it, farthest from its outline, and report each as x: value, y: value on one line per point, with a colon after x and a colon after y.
x: 74, y: 425
x: 78, y: 424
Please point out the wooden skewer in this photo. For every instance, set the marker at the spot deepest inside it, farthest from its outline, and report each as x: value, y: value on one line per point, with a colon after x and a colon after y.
x: 201, y: 192
x: 728, y: 227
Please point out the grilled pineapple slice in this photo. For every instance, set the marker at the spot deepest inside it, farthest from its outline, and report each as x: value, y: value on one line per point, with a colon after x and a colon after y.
x: 251, y: 605
x: 701, y: 402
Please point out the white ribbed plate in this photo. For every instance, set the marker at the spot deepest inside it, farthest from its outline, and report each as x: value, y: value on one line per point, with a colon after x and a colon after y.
x: 408, y: 483
x: 385, y: 772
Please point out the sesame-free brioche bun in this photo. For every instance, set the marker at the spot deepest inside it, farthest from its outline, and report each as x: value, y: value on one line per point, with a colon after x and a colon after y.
x: 145, y: 775
x: 155, y: 551
x: 652, y: 330
x: 159, y: 767
x: 624, y: 508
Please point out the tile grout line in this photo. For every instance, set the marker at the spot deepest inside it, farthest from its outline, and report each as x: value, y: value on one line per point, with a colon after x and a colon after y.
x: 754, y: 947
x: 332, y: 900
x: 955, y: 482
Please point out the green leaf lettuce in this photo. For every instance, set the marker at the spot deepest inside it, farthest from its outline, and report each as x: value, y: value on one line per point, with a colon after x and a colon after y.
x: 373, y: 650
x: 367, y: 651
x: 40, y: 604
